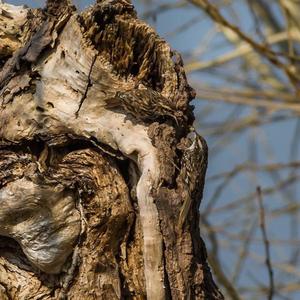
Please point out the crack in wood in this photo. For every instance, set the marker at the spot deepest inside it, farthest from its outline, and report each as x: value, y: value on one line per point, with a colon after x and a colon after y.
x: 75, y: 261
x: 89, y: 83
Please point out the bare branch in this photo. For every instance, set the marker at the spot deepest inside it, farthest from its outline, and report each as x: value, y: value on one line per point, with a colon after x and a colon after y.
x: 214, y: 13
x: 266, y: 243
x: 236, y: 97
x: 242, y: 50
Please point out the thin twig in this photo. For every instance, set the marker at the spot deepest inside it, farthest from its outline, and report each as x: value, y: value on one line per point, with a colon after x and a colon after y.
x: 213, y: 258
x: 236, y: 204
x: 242, y: 50
x: 251, y: 167
x: 243, y: 253
x: 266, y: 243
x: 219, y: 95
x: 256, y: 21
x: 162, y: 8
x: 246, y: 123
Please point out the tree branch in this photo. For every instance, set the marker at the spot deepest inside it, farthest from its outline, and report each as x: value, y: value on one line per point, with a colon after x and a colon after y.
x: 266, y: 243
x: 214, y: 13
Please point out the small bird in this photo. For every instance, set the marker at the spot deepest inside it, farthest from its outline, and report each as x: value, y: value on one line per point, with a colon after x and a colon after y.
x: 193, y: 170
x: 145, y: 104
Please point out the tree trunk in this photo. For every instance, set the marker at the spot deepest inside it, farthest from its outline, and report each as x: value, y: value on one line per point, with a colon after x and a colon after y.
x: 101, y: 171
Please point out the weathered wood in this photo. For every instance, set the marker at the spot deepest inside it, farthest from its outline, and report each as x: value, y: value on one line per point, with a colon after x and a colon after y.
x: 112, y: 186
x: 107, y: 217
x: 12, y: 20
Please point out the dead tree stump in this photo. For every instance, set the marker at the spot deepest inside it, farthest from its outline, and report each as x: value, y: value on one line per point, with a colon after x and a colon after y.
x: 101, y: 171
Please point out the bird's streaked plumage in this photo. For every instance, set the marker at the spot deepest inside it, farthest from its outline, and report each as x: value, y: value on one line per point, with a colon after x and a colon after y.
x: 145, y: 104
x: 193, y: 169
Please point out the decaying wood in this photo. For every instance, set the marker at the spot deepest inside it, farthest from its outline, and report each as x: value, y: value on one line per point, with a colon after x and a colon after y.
x: 97, y: 201
x: 12, y: 35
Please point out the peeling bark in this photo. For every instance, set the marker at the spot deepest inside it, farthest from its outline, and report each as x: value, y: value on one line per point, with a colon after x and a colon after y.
x: 96, y: 202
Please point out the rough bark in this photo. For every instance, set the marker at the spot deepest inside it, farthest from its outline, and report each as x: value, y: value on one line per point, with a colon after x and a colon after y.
x: 97, y: 201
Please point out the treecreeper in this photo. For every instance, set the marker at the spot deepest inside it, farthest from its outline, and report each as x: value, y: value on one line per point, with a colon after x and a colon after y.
x: 101, y: 170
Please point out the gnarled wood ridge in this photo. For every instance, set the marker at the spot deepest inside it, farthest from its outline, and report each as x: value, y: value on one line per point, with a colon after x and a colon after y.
x: 101, y: 172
